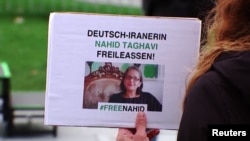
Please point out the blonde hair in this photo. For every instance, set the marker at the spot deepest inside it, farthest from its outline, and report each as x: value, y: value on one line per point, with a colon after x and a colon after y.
x: 227, y: 29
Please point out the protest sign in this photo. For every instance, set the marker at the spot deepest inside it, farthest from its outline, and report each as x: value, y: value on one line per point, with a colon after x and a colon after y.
x: 88, y: 55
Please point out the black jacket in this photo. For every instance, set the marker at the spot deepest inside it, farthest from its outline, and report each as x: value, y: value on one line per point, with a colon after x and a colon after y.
x: 220, y: 96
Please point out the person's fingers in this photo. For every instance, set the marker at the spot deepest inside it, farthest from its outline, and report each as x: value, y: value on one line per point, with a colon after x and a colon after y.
x: 132, y: 130
x: 124, y: 131
x: 152, y: 133
x: 141, y: 122
x: 141, y: 125
x: 124, y: 135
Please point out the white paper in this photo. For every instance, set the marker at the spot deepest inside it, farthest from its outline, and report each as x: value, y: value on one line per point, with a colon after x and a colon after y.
x: 164, y: 48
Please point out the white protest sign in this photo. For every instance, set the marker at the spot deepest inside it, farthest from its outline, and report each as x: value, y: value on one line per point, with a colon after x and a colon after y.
x: 88, y: 55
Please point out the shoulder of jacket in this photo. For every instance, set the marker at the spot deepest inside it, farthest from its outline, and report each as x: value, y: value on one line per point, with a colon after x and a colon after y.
x: 212, y: 77
x: 146, y: 93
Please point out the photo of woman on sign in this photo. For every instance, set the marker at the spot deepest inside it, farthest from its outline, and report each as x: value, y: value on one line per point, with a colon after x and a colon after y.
x: 131, y: 91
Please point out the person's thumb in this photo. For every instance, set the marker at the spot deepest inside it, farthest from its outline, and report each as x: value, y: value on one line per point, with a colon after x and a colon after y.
x: 141, y: 125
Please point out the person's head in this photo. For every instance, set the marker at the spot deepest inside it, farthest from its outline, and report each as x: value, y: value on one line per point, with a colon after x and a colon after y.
x: 229, y: 21
x: 132, y: 80
x: 228, y: 29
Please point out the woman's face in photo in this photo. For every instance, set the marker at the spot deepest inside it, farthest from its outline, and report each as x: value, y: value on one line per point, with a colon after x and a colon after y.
x: 132, y: 80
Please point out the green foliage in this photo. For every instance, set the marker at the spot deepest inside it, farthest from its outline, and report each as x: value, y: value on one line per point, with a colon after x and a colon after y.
x: 44, y: 7
x: 24, y: 47
x: 24, y: 33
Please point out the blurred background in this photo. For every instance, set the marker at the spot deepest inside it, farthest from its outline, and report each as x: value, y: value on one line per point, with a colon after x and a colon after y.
x: 24, y: 29
x: 23, y: 50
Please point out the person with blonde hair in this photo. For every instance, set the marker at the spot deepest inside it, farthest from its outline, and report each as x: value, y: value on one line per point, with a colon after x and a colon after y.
x: 218, y: 92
